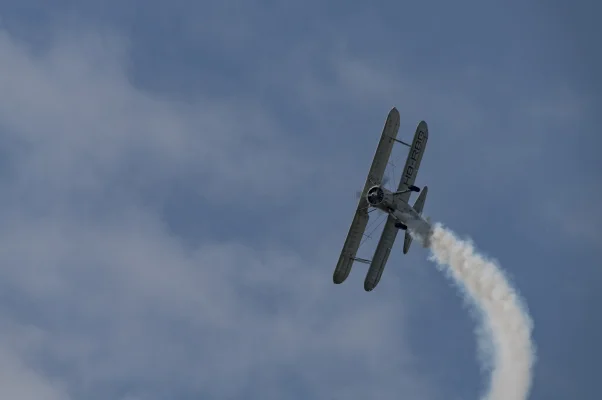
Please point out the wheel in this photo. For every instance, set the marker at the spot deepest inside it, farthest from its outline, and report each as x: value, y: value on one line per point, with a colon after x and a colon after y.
x: 401, y: 226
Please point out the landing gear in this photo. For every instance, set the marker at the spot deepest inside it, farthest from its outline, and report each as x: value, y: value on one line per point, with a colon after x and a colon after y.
x: 401, y: 226
x: 410, y: 188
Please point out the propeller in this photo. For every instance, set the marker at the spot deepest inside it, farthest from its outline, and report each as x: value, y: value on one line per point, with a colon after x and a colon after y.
x: 385, y: 180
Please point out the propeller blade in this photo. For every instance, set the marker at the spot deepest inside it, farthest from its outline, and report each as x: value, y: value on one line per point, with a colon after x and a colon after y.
x: 385, y: 180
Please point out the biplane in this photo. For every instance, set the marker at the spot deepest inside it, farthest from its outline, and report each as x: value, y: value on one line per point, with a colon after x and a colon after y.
x: 401, y: 215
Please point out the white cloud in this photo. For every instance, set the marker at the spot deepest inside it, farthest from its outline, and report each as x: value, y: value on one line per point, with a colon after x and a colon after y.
x: 121, y: 306
x: 124, y: 301
x: 18, y: 380
x: 71, y: 108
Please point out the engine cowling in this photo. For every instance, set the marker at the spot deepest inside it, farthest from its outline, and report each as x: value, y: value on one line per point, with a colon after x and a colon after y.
x: 379, y: 197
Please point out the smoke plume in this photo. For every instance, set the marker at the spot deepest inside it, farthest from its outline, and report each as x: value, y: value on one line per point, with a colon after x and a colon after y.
x: 505, y: 333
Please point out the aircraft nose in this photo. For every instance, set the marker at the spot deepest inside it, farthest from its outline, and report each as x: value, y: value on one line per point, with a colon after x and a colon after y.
x: 375, y: 195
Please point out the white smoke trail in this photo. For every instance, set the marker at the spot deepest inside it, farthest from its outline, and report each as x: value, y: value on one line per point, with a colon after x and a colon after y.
x: 506, y: 322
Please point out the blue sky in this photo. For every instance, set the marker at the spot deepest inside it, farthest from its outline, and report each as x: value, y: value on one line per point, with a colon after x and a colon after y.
x: 177, y: 183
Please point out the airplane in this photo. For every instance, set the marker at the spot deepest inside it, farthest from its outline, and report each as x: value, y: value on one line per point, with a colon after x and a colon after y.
x: 401, y: 215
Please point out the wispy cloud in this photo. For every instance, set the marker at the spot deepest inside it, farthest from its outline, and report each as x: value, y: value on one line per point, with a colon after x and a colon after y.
x: 174, y: 195
x: 19, y: 379
x: 71, y: 106
x: 121, y: 307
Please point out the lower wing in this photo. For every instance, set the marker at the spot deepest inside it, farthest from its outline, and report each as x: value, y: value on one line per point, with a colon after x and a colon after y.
x: 381, y: 255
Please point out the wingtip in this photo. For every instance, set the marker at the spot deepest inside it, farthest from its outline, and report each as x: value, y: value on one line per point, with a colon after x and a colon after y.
x: 369, y: 286
x: 339, y: 277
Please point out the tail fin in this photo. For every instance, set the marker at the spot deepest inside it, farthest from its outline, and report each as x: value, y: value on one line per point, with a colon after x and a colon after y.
x: 418, y: 206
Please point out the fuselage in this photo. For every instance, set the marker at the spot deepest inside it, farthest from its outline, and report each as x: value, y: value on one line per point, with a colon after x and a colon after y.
x: 386, y: 201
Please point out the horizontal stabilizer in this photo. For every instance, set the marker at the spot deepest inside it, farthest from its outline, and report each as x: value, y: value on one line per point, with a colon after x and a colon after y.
x: 418, y: 206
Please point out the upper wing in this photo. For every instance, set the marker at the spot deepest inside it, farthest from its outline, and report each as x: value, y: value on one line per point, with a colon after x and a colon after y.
x: 375, y: 175
x: 381, y: 255
x: 410, y: 170
x: 383, y: 151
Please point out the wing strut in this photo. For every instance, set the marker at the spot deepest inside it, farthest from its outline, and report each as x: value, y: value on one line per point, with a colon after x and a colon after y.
x: 402, y: 142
